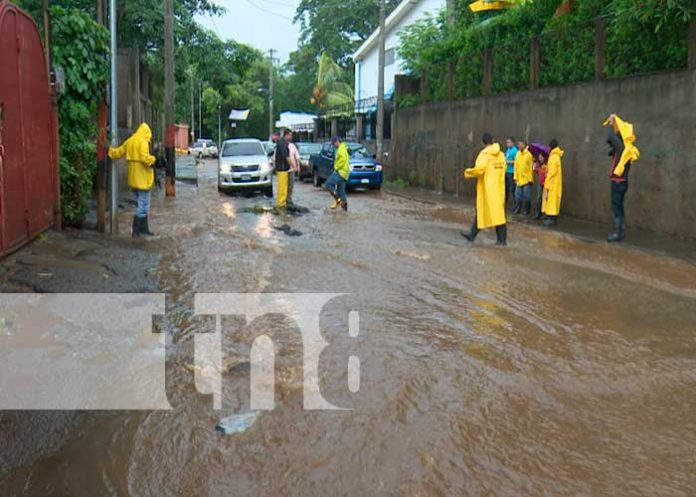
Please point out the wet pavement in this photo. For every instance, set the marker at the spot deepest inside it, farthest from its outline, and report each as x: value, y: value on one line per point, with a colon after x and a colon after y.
x: 551, y: 367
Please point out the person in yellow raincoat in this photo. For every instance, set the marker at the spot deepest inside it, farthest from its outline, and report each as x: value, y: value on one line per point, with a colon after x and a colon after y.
x: 337, y: 182
x: 489, y: 172
x: 553, y: 186
x: 141, y: 175
x: 524, y: 179
x: 623, y: 153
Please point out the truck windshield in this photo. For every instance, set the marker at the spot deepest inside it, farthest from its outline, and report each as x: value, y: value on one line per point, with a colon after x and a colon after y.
x: 359, y: 152
x: 245, y: 148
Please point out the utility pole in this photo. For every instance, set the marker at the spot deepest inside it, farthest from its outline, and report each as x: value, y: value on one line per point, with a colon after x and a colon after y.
x: 380, y: 82
x: 170, y: 186
x: 102, y: 168
x: 271, y: 89
x: 193, y: 115
x: 114, y: 116
x: 219, y: 128
x: 200, y: 109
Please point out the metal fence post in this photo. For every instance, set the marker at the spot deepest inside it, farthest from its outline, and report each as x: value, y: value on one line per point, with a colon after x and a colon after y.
x: 600, y: 47
x: 691, y: 63
x: 487, y: 71
x: 534, y: 63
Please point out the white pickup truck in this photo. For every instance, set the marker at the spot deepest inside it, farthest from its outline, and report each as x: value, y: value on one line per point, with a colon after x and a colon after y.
x: 204, y: 149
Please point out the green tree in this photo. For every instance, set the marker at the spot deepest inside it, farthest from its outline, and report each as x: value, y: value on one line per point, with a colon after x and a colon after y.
x: 331, y: 89
x: 80, y: 47
x: 338, y: 27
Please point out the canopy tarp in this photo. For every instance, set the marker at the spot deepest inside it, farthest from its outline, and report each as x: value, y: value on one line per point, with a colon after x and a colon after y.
x: 484, y: 5
x: 239, y: 114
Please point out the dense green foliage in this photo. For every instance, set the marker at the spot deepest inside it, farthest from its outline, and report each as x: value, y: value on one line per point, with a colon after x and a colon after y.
x: 80, y: 47
x: 642, y: 36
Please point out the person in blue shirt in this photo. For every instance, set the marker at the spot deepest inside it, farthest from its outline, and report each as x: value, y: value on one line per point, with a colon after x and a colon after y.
x: 510, y: 156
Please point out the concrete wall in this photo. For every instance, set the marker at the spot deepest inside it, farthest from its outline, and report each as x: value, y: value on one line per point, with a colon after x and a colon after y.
x: 433, y: 143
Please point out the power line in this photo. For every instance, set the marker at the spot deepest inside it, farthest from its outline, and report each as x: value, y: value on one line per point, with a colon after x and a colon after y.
x: 273, y: 2
x: 262, y: 9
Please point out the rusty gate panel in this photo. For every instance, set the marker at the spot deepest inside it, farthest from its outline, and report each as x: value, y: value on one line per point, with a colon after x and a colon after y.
x: 38, y: 134
x: 29, y: 164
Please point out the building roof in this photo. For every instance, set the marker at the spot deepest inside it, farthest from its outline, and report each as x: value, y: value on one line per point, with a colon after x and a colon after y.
x: 391, y: 22
x: 296, y: 121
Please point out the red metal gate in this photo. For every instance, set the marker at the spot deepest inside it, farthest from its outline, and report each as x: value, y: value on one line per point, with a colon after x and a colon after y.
x: 29, y: 185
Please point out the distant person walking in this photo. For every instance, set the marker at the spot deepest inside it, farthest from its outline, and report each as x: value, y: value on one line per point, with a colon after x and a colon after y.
x: 141, y: 175
x: 337, y: 182
x: 553, y: 186
x: 283, y: 167
x: 510, y: 156
x: 623, y: 153
x: 489, y: 172
x: 524, y: 179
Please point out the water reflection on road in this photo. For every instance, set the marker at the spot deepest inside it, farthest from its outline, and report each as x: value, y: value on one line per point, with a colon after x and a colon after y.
x: 552, y: 367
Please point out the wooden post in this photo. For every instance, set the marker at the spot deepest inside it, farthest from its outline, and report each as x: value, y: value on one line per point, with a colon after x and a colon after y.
x: 692, y: 38
x: 334, y: 126
x: 424, y: 87
x: 170, y: 130
x: 534, y: 63
x: 487, y: 71
x: 600, y: 48
x: 451, y: 80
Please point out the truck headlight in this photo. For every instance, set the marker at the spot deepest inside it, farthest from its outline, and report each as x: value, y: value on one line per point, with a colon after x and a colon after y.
x: 378, y: 167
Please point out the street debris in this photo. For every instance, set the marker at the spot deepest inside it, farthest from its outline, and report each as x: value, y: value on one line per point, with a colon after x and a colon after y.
x: 238, y: 423
x: 288, y: 230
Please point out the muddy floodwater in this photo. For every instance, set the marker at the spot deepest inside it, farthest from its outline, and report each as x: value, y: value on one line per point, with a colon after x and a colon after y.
x: 553, y: 367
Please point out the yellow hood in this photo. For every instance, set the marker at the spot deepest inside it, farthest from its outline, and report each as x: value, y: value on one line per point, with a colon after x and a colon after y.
x: 631, y: 152
x: 143, y: 132
x: 493, y: 150
x: 557, y: 151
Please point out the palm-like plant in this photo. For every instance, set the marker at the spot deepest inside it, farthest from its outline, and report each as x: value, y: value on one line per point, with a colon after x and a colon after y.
x: 331, y: 89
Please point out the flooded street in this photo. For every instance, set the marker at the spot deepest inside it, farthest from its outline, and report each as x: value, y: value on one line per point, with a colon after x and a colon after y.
x: 552, y: 367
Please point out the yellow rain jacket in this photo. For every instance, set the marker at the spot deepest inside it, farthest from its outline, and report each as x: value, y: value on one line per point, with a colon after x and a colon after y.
x: 136, y: 149
x: 553, y: 187
x: 489, y: 172
x: 631, y: 152
x: 524, y: 163
x: 342, y: 161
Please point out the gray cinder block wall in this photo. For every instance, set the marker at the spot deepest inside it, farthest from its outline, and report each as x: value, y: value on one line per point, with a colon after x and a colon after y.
x: 433, y: 143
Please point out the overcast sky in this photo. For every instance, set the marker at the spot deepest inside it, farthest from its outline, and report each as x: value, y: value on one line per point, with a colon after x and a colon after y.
x: 264, y: 24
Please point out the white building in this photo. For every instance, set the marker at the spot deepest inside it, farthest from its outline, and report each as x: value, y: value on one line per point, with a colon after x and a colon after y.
x: 366, y: 57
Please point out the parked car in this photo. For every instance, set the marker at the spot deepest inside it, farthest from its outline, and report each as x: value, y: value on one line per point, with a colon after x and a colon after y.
x: 365, y: 171
x: 307, y: 149
x: 204, y: 148
x: 244, y: 165
x: 269, y: 146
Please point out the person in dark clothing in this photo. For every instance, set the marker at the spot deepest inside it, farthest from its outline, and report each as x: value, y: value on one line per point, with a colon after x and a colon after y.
x: 282, y: 167
x: 621, y: 160
x: 619, y: 186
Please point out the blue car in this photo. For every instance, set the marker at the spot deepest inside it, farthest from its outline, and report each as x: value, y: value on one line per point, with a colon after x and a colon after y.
x: 365, y: 171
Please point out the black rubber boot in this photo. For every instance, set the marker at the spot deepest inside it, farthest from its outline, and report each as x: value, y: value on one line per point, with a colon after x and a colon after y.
x: 471, y: 235
x: 527, y: 207
x: 618, y: 233
x: 136, y: 227
x: 550, y: 221
x: 501, y: 235
x: 146, y: 227
x: 516, y: 206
